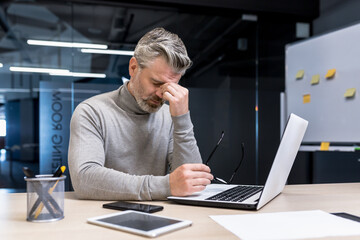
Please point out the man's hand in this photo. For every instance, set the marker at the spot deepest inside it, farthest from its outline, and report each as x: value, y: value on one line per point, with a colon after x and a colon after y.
x: 178, y: 98
x: 189, y: 178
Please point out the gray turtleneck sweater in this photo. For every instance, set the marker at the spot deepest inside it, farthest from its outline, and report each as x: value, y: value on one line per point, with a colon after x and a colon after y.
x: 119, y: 152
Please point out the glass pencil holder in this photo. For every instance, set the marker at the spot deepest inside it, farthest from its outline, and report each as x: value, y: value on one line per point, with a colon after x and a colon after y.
x: 45, y: 198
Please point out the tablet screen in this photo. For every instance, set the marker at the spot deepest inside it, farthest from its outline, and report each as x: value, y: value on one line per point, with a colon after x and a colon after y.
x: 141, y: 222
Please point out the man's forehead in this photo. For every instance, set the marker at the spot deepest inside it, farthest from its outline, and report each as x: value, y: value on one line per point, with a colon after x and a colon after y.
x: 165, y: 79
x: 161, y: 61
x: 161, y: 72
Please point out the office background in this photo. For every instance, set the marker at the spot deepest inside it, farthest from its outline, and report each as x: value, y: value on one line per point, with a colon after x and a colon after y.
x: 238, y: 50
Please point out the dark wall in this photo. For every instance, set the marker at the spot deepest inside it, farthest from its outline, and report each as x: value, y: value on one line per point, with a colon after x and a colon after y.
x: 231, y: 111
x: 22, y: 132
x: 13, y: 127
x: 296, y: 8
x: 226, y: 95
x: 336, y: 14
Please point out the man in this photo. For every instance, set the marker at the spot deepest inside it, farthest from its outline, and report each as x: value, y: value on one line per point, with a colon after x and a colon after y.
x: 124, y: 143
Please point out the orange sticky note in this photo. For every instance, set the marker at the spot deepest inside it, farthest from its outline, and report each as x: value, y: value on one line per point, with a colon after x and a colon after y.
x: 330, y: 73
x: 350, y: 92
x: 300, y: 74
x: 315, y: 79
x: 324, y: 146
x: 306, y: 98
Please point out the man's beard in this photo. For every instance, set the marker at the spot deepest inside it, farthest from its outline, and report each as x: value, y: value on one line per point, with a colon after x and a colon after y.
x: 144, y: 103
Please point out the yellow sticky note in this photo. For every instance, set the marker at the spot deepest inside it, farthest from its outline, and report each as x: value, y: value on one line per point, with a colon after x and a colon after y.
x: 324, y: 146
x: 330, y: 73
x: 306, y: 98
x: 350, y: 92
x: 315, y: 79
x: 300, y: 74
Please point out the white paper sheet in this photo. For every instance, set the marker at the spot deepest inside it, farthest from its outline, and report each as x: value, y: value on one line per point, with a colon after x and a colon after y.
x: 288, y: 225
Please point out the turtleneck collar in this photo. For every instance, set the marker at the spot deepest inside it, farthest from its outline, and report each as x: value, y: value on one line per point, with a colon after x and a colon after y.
x: 127, y: 102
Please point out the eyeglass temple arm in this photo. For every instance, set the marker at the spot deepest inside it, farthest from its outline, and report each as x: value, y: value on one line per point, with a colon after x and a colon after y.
x: 216, y: 146
x: 216, y: 179
x: 237, y: 168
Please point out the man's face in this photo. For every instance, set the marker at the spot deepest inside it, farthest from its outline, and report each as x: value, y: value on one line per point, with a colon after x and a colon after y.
x: 145, y: 83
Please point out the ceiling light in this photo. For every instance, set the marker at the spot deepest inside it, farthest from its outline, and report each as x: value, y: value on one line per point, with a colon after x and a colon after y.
x: 108, y: 51
x: 14, y: 90
x: 1, y: 65
x: 66, y: 44
x: 38, y: 70
x: 57, y: 72
x: 79, y: 74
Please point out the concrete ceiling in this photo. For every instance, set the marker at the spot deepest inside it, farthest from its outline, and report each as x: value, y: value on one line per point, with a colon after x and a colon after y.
x: 206, y: 27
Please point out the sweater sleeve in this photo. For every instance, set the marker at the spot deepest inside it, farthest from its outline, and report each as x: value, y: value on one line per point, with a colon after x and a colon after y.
x: 185, y: 149
x: 91, y: 179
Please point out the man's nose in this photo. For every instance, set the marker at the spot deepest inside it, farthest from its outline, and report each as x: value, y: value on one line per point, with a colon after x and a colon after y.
x: 159, y: 92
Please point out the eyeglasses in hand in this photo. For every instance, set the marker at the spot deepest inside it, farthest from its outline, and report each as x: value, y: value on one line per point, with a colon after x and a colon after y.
x: 219, y: 180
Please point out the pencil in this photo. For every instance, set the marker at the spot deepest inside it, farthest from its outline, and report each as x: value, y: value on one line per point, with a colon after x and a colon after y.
x: 56, y: 174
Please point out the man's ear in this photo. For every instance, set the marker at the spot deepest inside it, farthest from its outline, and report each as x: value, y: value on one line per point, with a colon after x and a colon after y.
x: 133, y: 67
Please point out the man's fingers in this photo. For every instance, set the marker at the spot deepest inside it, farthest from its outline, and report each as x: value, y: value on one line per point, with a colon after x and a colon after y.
x: 168, y: 97
x: 173, y: 90
x: 203, y: 175
x: 171, y: 95
x: 189, y: 178
x: 172, y: 87
x: 198, y: 171
x: 178, y: 98
x: 200, y: 181
x: 197, y: 167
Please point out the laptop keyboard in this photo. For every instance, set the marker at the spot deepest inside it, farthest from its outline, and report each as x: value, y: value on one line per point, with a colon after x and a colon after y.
x: 236, y: 194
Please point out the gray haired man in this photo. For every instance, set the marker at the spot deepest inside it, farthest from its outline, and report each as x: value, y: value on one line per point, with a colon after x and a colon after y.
x: 127, y: 144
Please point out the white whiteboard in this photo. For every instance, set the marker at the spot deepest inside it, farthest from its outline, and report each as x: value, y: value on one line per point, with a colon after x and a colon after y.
x: 332, y: 117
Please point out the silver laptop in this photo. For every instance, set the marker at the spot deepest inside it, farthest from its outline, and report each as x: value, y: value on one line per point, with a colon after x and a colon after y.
x: 250, y: 196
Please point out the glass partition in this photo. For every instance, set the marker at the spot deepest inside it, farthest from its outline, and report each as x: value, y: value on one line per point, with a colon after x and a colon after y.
x: 55, y: 54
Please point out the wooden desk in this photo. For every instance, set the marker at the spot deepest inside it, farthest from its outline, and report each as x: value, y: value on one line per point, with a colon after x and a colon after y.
x: 327, y: 197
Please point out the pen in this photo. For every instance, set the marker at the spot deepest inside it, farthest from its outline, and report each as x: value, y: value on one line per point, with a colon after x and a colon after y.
x: 58, y: 172
x: 28, y: 173
x: 42, y: 198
